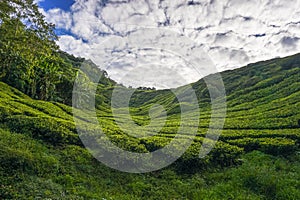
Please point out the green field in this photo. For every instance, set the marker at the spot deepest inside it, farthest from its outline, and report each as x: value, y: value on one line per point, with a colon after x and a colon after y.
x: 256, y: 156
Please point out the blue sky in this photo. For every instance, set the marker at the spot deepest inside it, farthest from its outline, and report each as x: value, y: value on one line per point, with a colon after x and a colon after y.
x: 62, y: 4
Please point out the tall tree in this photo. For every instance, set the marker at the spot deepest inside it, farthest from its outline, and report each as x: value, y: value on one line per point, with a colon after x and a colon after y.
x: 28, y: 52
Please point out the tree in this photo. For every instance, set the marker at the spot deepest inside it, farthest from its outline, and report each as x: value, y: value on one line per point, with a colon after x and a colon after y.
x: 28, y: 52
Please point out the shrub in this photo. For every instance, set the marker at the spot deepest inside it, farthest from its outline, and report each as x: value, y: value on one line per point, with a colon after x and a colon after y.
x: 274, y: 146
x: 50, y: 130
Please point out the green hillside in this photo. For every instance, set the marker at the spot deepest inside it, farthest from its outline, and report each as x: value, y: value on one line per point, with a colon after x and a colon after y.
x: 42, y: 155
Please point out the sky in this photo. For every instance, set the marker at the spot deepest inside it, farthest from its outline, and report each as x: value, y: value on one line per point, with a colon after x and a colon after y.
x: 157, y: 42
x: 52, y: 4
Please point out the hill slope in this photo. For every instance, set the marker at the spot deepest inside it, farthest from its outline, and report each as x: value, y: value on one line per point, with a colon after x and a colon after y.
x: 42, y: 155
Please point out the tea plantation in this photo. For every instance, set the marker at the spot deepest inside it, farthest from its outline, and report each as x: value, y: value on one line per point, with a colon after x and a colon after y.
x: 256, y: 157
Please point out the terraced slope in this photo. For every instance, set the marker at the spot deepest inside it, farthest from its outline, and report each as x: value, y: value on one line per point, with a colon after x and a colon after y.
x: 262, y: 114
x: 262, y: 108
x: 40, y: 144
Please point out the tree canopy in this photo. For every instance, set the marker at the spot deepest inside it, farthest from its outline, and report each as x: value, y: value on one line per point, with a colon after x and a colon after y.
x: 27, y: 49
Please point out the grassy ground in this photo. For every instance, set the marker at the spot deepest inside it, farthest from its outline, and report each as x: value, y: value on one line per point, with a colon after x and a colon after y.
x: 256, y: 157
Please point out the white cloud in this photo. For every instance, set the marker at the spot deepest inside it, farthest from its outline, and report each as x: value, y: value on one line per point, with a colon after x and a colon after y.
x: 233, y: 32
x: 60, y: 18
x: 38, y: 1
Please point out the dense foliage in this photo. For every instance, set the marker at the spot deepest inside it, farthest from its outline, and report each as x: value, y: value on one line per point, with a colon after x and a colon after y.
x: 55, y: 161
x: 30, y: 59
x: 41, y: 155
